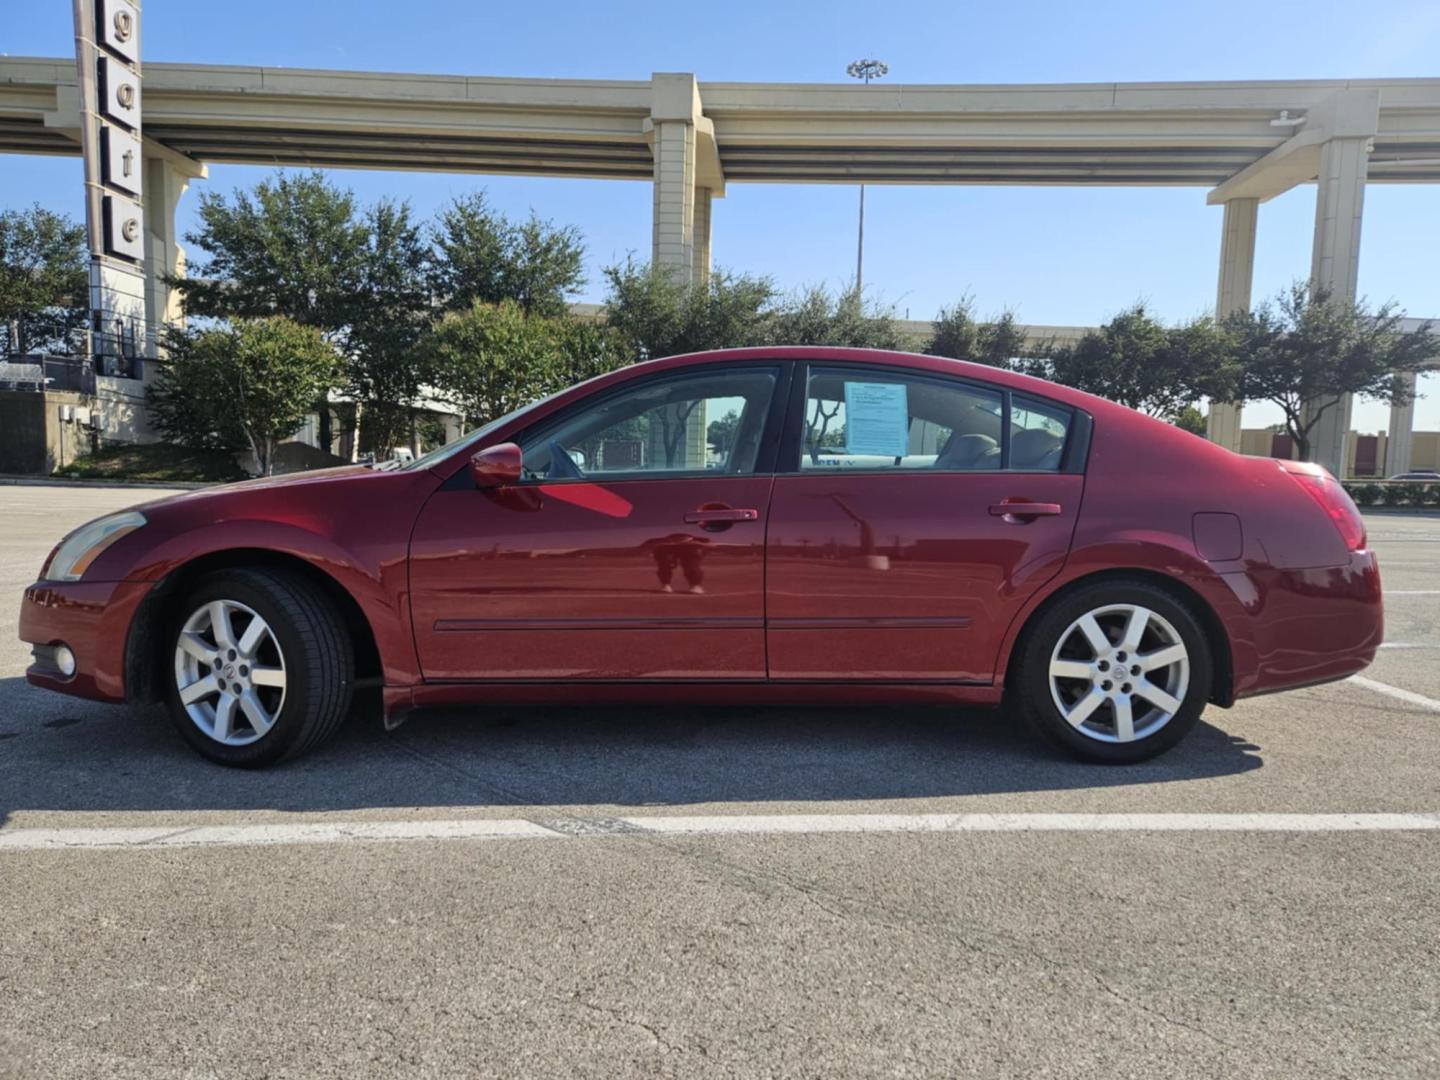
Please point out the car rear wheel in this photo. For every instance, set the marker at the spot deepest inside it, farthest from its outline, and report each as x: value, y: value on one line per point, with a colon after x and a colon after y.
x: 261, y: 667
x: 1116, y: 671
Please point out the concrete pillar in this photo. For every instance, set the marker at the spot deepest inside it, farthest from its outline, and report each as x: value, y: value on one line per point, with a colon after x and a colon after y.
x: 673, y: 236
x: 1335, y: 266
x: 1339, y: 204
x: 1401, y: 437
x: 1232, y: 294
x: 700, y: 225
x: 164, y: 184
x: 671, y: 131
x: 687, y: 176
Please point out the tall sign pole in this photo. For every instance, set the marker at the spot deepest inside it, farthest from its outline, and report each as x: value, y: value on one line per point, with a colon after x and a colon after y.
x: 107, y: 58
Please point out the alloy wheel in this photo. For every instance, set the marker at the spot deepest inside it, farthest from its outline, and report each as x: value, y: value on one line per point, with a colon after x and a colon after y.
x: 1119, y: 673
x: 230, y: 672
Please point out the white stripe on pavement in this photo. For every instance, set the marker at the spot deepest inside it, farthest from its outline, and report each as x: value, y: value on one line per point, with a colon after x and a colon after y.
x: 1412, y: 592
x: 342, y: 832
x: 1263, y: 822
x: 1407, y: 696
x: 324, y: 832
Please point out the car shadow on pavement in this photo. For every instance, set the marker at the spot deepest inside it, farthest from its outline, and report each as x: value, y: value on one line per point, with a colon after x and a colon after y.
x: 60, y: 754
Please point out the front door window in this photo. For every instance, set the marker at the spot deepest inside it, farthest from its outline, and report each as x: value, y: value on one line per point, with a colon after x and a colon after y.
x: 690, y: 425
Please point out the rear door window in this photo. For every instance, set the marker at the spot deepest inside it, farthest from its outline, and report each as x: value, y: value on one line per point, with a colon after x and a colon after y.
x: 882, y: 419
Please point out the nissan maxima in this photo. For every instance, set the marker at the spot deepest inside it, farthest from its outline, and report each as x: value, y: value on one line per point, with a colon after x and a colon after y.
x: 799, y: 525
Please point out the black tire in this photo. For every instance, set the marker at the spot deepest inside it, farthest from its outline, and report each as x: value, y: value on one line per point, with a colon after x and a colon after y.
x: 1030, y: 679
x: 319, y: 664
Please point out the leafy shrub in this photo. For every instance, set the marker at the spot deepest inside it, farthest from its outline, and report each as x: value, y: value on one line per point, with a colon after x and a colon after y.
x: 250, y: 383
x: 1364, y: 494
x: 1396, y: 494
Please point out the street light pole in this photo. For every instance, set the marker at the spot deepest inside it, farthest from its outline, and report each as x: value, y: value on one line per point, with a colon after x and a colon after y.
x: 860, y: 248
x: 866, y: 70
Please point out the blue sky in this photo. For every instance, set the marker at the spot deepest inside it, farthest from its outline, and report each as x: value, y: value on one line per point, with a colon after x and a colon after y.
x: 1054, y: 255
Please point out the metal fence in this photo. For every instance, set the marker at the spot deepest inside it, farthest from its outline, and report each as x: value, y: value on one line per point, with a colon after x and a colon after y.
x: 43, y: 371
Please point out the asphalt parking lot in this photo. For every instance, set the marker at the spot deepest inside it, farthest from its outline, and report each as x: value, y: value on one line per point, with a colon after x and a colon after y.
x: 479, y: 892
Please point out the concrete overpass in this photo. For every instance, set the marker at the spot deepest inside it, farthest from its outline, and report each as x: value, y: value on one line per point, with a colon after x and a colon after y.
x: 1244, y: 141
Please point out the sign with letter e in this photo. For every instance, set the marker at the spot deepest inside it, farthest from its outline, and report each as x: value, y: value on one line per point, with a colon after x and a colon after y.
x: 124, y: 235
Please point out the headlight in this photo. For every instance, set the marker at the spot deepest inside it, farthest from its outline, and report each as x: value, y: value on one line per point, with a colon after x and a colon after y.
x: 82, y: 547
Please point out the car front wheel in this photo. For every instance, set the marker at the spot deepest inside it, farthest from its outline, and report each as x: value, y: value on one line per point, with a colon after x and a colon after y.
x: 1115, y: 672
x: 261, y: 667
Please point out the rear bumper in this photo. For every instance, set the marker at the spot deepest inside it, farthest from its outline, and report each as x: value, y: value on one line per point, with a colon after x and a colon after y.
x: 93, y: 619
x: 1304, y: 627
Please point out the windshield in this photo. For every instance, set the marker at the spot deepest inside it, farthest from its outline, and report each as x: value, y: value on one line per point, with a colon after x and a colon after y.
x: 456, y: 445
x: 426, y: 460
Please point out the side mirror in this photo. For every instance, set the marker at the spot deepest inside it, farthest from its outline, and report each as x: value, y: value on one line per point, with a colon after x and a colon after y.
x: 496, y: 466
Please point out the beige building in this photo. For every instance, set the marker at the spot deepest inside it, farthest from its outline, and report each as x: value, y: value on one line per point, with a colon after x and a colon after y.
x: 1365, y: 455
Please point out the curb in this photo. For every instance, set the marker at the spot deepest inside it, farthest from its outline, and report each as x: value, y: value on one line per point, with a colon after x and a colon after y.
x: 62, y: 481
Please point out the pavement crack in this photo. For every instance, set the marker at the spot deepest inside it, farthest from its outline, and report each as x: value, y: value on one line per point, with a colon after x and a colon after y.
x: 656, y: 1035
x: 1007, y: 947
x: 1150, y: 1010
x: 507, y: 797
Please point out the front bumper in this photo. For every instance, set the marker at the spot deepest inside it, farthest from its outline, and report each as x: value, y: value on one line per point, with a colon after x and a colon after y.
x: 93, y: 619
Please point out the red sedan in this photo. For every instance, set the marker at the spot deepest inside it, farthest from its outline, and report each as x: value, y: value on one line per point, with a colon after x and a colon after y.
x: 756, y: 525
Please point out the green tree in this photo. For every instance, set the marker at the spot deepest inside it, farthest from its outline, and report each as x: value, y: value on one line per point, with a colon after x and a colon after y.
x: 251, y: 383
x: 657, y: 315
x: 1137, y: 361
x: 390, y: 311
x: 1191, y: 419
x: 479, y: 254
x: 545, y: 266
x: 188, y: 401
x: 43, y: 277
x: 584, y: 348
x: 1303, y: 350
x: 299, y: 246
x: 293, y: 246
x: 721, y: 433
x: 958, y: 335
x: 815, y: 316
x: 494, y: 358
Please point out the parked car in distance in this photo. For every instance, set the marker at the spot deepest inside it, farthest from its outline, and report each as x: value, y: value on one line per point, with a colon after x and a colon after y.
x: 1420, y: 475
x: 758, y: 525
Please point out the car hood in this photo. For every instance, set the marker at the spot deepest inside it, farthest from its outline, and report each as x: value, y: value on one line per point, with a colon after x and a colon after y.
x: 317, y: 482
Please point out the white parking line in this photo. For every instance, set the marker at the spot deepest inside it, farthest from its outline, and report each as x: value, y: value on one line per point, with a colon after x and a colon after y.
x: 1407, y: 696
x: 363, y: 832
x: 1412, y: 592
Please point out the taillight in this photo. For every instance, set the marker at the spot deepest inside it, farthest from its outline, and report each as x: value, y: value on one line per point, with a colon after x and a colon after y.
x: 1332, y: 498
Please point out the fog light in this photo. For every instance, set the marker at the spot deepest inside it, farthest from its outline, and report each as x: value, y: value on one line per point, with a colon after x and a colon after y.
x: 65, y: 660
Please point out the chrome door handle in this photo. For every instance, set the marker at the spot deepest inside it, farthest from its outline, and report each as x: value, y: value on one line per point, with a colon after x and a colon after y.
x: 1023, y: 511
x: 724, y: 516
